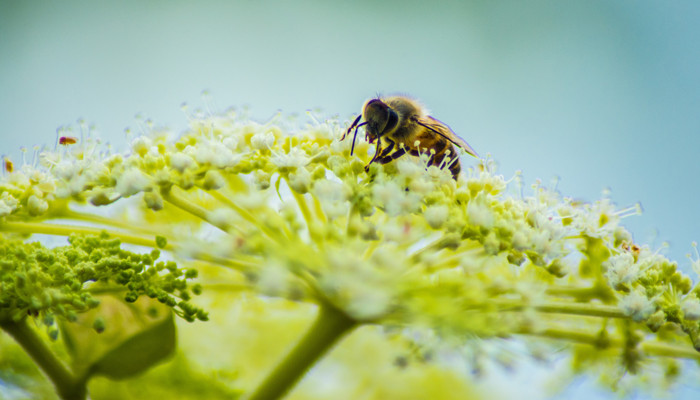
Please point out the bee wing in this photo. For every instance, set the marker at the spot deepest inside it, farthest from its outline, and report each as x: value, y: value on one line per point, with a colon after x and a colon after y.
x: 445, y: 131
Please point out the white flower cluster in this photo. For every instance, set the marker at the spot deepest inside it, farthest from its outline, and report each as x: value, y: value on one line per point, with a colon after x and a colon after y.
x: 299, y: 217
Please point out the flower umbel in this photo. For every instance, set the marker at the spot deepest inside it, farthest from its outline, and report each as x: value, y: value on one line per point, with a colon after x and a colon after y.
x: 401, y: 246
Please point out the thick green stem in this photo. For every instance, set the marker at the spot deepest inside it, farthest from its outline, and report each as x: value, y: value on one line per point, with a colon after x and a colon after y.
x: 68, y: 386
x: 330, y: 326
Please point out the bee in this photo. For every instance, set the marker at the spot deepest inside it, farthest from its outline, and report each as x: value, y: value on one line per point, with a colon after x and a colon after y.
x: 401, y: 125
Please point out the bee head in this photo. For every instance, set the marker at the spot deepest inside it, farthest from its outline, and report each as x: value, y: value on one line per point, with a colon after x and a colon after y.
x: 380, y: 118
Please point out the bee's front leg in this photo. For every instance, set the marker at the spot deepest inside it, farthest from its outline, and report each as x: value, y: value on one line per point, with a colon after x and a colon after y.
x: 380, y: 154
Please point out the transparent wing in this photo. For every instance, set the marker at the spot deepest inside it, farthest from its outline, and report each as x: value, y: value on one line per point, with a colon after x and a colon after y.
x: 445, y: 131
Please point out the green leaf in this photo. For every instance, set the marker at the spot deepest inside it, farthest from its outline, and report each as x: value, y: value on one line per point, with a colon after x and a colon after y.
x: 134, y: 337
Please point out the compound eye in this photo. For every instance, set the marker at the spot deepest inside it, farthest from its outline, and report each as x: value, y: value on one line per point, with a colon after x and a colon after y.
x: 392, y: 121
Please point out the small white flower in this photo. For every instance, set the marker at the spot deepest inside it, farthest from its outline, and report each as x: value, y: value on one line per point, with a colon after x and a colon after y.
x: 409, y: 167
x: 223, y: 157
x: 262, y: 141
x: 261, y: 179
x: 396, y: 231
x: 387, y: 192
x: 131, y: 182
x: 520, y: 240
x: 7, y: 204
x: 181, y: 162
x: 44, y: 183
x: 442, y: 176
x: 365, y: 291
x: 294, y: 159
x: 141, y: 144
x: 300, y: 180
x: 338, y: 147
x: 422, y: 185
x: 73, y: 187
x: 67, y: 169
x: 637, y: 306
x: 330, y: 191
x: 691, y: 308
x: 395, y: 199
x: 213, y: 153
x: 231, y: 142
x: 332, y: 196
x: 436, y: 215
x: 36, y: 205
x: 479, y: 213
x: 213, y: 180
x: 153, y: 200
x: 621, y: 269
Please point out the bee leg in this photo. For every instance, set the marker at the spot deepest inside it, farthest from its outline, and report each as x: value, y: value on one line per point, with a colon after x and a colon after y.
x: 376, y: 153
x: 393, y: 156
x: 386, y: 151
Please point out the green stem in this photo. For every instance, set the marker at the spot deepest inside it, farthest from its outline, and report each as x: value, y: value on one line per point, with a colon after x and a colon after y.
x: 193, y: 209
x: 657, y: 349
x: 111, y: 222
x: 592, y: 310
x: 599, y: 290
x: 305, y: 211
x: 319, y: 210
x: 330, y: 326
x: 68, y: 386
x: 67, y: 230
x: 553, y: 307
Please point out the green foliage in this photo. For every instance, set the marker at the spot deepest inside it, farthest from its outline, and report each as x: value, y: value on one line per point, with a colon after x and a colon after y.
x: 129, y: 339
x: 59, y: 282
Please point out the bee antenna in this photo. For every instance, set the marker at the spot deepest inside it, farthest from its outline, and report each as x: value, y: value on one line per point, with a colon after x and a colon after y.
x: 352, y: 149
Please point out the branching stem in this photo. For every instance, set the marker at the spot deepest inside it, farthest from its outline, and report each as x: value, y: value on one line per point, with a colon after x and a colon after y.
x: 68, y: 386
x: 330, y: 326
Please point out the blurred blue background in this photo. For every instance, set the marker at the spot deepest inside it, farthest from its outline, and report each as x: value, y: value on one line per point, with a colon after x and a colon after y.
x: 599, y: 93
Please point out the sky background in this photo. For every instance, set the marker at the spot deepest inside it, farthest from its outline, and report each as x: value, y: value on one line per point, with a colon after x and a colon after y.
x: 602, y: 94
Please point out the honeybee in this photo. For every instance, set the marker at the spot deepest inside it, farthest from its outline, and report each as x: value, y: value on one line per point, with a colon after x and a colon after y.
x: 401, y: 125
